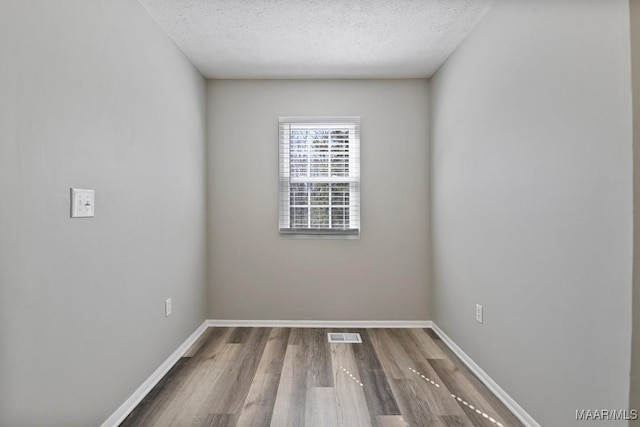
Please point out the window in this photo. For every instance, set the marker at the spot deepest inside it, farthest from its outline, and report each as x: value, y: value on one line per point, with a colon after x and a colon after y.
x: 320, y: 176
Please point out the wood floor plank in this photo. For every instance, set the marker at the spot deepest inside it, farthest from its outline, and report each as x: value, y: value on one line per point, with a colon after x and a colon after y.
x: 416, y: 343
x: 233, y: 385
x: 238, y: 335
x: 477, y: 385
x: 378, y: 393
x: 258, y: 406
x: 415, y: 409
x: 351, y: 404
x: 214, y: 343
x: 218, y: 420
x: 320, y: 372
x: 202, y: 340
x: 296, y: 336
x: 393, y: 358
x: 437, y: 394
x: 289, y: 407
x: 460, y: 386
x: 424, y: 343
x: 390, y: 421
x: 185, y: 401
x: 432, y: 334
x: 159, y: 397
x: 399, y: 353
x: 192, y: 404
x: 274, y: 351
x: 432, y: 388
x: 430, y: 401
x: 321, y: 408
x: 453, y: 421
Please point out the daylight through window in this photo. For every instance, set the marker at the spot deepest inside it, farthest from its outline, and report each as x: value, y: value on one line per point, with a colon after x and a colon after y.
x: 320, y: 176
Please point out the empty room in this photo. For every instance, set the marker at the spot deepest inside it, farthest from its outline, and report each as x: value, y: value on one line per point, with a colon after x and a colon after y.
x: 304, y: 213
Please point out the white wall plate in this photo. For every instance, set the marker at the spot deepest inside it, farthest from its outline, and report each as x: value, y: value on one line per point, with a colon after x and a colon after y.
x: 82, y: 203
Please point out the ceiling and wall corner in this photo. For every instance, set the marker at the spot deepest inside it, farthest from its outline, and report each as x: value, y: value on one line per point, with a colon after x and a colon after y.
x: 317, y: 38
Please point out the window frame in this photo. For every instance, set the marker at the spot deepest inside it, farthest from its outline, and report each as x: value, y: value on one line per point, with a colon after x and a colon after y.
x: 352, y: 229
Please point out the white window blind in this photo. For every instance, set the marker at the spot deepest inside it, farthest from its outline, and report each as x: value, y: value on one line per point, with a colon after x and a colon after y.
x: 320, y: 175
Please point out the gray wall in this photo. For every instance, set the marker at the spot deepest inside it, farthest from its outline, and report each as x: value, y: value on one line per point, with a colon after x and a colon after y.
x: 94, y: 95
x: 255, y: 275
x: 634, y: 397
x: 532, y: 202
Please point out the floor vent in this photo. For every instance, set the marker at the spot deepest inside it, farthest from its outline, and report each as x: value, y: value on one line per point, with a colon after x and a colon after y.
x: 347, y: 338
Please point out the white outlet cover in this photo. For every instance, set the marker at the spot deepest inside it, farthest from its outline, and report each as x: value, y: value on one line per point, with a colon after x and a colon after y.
x: 82, y: 203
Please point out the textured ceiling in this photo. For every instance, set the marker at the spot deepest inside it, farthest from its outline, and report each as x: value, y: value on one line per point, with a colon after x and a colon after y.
x: 317, y: 38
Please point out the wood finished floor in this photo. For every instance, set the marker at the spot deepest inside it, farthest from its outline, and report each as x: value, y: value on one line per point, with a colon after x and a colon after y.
x: 292, y: 377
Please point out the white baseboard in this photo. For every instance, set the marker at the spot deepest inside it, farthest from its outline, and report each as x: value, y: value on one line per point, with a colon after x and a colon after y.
x: 129, y: 405
x: 320, y: 323
x: 513, y: 406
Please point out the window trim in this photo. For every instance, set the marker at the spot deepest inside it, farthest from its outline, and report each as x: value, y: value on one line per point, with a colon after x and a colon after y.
x: 285, y: 180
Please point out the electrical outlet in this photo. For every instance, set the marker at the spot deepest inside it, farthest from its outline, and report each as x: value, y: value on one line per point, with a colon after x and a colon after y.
x: 167, y: 307
x: 479, y: 313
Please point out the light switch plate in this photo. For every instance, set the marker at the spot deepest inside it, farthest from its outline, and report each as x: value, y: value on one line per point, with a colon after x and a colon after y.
x: 82, y: 203
x: 479, y: 314
x: 167, y: 307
